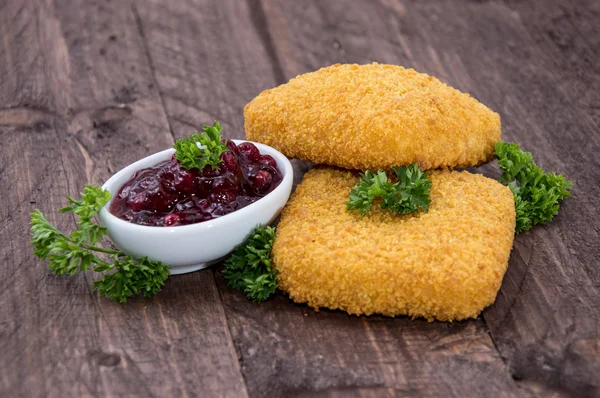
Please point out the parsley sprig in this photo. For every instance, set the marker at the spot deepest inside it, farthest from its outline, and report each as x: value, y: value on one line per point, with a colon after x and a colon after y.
x: 124, y: 276
x: 409, y: 194
x: 537, y: 193
x: 200, y: 150
x: 250, y: 269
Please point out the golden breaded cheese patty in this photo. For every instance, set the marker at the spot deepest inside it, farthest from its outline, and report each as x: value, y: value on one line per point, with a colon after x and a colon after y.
x: 373, y: 116
x: 445, y: 264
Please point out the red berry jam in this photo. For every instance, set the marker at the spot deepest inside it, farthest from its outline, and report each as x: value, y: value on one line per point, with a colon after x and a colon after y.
x: 168, y: 195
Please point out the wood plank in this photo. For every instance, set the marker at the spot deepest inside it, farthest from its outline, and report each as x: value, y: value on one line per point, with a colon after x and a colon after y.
x: 547, y: 320
x: 329, y: 353
x: 209, y: 62
x: 77, y: 102
x: 541, y: 79
x: 71, y: 95
x: 532, y: 63
x: 288, y: 349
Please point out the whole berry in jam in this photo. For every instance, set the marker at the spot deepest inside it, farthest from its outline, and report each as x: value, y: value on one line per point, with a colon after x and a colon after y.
x: 168, y: 194
x: 160, y: 201
x: 268, y: 160
x: 229, y: 161
x: 171, y: 219
x: 262, y: 181
x: 232, y: 147
x: 249, y: 151
x: 222, y: 198
x: 184, y: 180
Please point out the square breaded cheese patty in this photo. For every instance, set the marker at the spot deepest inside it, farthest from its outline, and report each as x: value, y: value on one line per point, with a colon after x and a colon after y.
x: 445, y: 264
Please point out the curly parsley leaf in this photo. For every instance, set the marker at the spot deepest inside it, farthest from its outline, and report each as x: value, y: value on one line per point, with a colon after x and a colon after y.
x: 409, y: 194
x: 131, y: 277
x: 537, y: 194
x: 124, y: 275
x: 201, y: 150
x: 250, y: 269
x: 370, y: 186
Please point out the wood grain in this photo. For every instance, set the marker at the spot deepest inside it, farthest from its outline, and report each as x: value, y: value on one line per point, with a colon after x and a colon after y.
x: 88, y: 86
x: 547, y: 317
x: 545, y: 321
x: 209, y: 59
x: 331, y: 353
x: 296, y: 368
x: 291, y: 350
x: 77, y: 105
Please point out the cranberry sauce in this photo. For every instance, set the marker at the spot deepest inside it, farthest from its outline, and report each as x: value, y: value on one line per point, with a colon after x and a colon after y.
x: 167, y: 194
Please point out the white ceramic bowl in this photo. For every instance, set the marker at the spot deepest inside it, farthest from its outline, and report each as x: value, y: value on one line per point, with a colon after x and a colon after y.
x: 188, y: 248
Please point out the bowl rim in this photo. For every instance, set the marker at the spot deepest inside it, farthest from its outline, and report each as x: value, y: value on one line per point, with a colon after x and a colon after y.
x: 287, y: 172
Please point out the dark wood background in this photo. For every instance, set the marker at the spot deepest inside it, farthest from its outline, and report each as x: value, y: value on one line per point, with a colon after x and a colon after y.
x: 86, y: 87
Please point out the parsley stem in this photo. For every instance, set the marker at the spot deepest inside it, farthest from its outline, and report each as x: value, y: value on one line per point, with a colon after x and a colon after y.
x: 101, y: 249
x: 101, y: 263
x: 90, y: 247
x: 123, y: 276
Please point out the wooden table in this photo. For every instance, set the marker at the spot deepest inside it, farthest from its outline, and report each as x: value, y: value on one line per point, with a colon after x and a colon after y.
x: 88, y: 86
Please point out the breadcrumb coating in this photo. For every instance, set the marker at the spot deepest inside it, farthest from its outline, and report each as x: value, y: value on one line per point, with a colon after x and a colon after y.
x: 373, y: 116
x: 445, y: 264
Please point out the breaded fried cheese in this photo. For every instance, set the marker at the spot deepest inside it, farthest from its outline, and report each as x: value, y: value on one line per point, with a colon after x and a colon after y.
x: 373, y: 116
x: 445, y: 264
